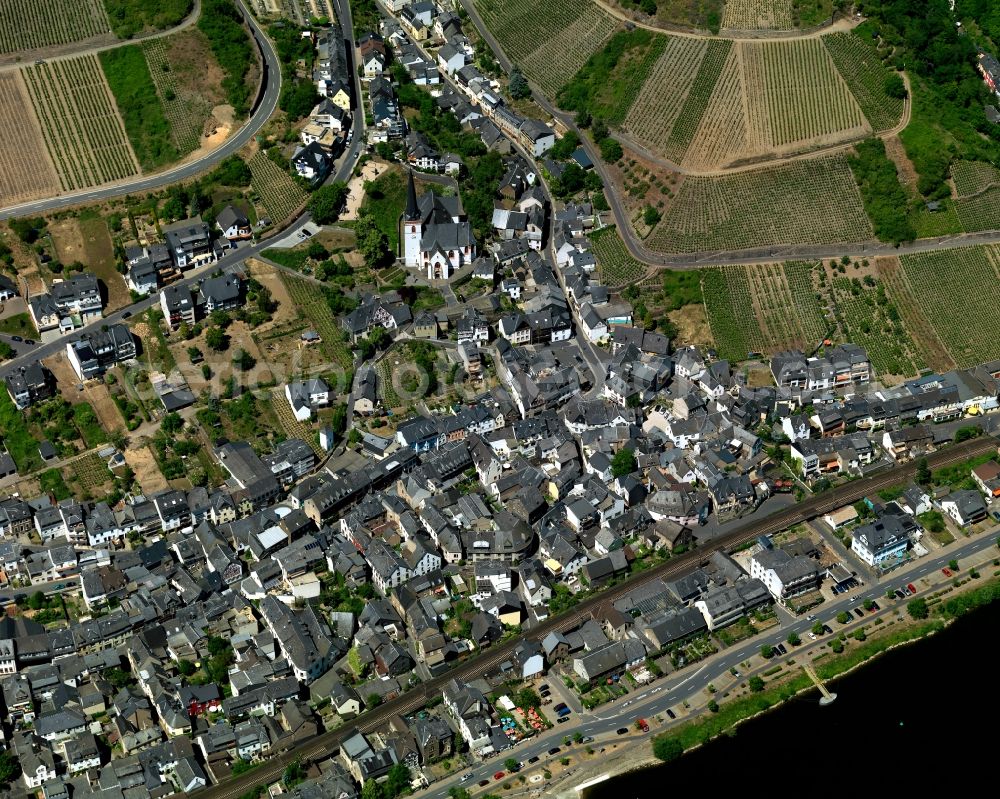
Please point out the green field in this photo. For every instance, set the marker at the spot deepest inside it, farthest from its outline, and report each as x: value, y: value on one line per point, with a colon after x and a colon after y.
x: 802, y: 202
x: 129, y: 17
x: 140, y: 106
x: 17, y: 439
x: 858, y: 61
x: 959, y: 293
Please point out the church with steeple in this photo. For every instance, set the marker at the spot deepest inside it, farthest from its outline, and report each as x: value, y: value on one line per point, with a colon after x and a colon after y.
x: 435, y: 235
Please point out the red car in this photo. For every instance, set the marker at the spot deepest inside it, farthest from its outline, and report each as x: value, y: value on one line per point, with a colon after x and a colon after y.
x: 910, y: 588
x: 946, y: 571
x: 498, y: 775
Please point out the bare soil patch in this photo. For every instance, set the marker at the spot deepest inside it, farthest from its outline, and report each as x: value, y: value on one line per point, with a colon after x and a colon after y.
x: 692, y: 325
x: 147, y: 473
x: 904, y: 166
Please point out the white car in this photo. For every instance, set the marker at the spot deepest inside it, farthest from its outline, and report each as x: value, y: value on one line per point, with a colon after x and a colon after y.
x: 812, y: 635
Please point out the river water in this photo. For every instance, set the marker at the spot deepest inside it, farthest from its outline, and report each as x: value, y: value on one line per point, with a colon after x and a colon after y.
x: 922, y: 715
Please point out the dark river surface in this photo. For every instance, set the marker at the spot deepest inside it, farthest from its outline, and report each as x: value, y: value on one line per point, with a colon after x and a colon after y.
x: 918, y: 718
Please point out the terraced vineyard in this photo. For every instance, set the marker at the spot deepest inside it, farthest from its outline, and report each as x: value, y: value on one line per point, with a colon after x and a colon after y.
x: 978, y: 187
x: 615, y: 265
x: 185, y: 111
x: 697, y: 99
x: 728, y: 303
x: 26, y: 172
x: 980, y: 212
x: 83, y: 132
x: 959, y: 292
x: 293, y: 427
x: 804, y: 94
x: 279, y: 193
x: 659, y: 102
x: 747, y: 15
x: 801, y: 202
x: 763, y: 308
x: 973, y: 177
x: 868, y: 318
x: 309, y: 299
x: 549, y: 43
x: 859, y: 63
x: 928, y: 346
x: 29, y: 24
x: 725, y: 133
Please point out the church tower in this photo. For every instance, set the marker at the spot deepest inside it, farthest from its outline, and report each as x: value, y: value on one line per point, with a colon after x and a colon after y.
x: 412, y: 226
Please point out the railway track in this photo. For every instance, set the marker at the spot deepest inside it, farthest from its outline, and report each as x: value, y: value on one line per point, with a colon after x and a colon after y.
x: 327, y: 743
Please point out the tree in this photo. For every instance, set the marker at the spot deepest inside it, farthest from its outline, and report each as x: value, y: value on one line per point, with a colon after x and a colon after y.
x: 917, y: 608
x: 172, y: 423
x: 623, y: 462
x: 373, y: 701
x: 767, y: 651
x: 611, y: 150
x: 518, y: 86
x: 818, y: 628
x: 667, y: 748
x: 244, y: 361
x: 869, y: 604
x: 10, y: 768
x: 953, y: 565
x: 843, y: 617
x: 650, y: 216
x: 923, y: 475
x: 372, y: 790
x: 895, y: 87
x: 713, y: 706
x: 756, y: 684
x: 371, y: 241
x: 327, y: 201
x: 186, y: 667
x: 510, y: 763
x: 793, y: 639
x: 397, y: 781
x: 36, y: 601
x: 216, y: 339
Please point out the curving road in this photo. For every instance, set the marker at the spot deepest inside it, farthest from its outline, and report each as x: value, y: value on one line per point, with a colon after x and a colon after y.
x: 267, y: 101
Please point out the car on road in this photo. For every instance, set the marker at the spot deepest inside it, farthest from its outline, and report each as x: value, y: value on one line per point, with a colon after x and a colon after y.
x: 30, y: 341
x: 810, y: 618
x: 622, y: 731
x: 16, y: 338
x: 946, y: 571
x: 466, y: 777
x: 555, y: 750
x: 910, y: 589
x: 671, y: 713
x: 498, y: 776
x: 126, y: 314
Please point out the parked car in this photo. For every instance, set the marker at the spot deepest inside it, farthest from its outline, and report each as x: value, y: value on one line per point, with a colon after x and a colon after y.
x: 859, y: 613
x: 643, y: 725
x: 827, y: 629
x: 543, y: 687
x: 533, y: 759
x: 555, y: 750
x: 910, y: 589
x: 16, y: 338
x: 587, y: 739
x: 559, y: 707
x: 483, y: 783
x: 898, y: 593
x: 498, y: 776
x: 562, y: 719
x: 622, y: 731
x: 946, y: 571
x: 671, y: 713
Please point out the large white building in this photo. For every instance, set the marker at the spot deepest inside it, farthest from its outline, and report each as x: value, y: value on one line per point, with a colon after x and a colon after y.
x: 436, y: 236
